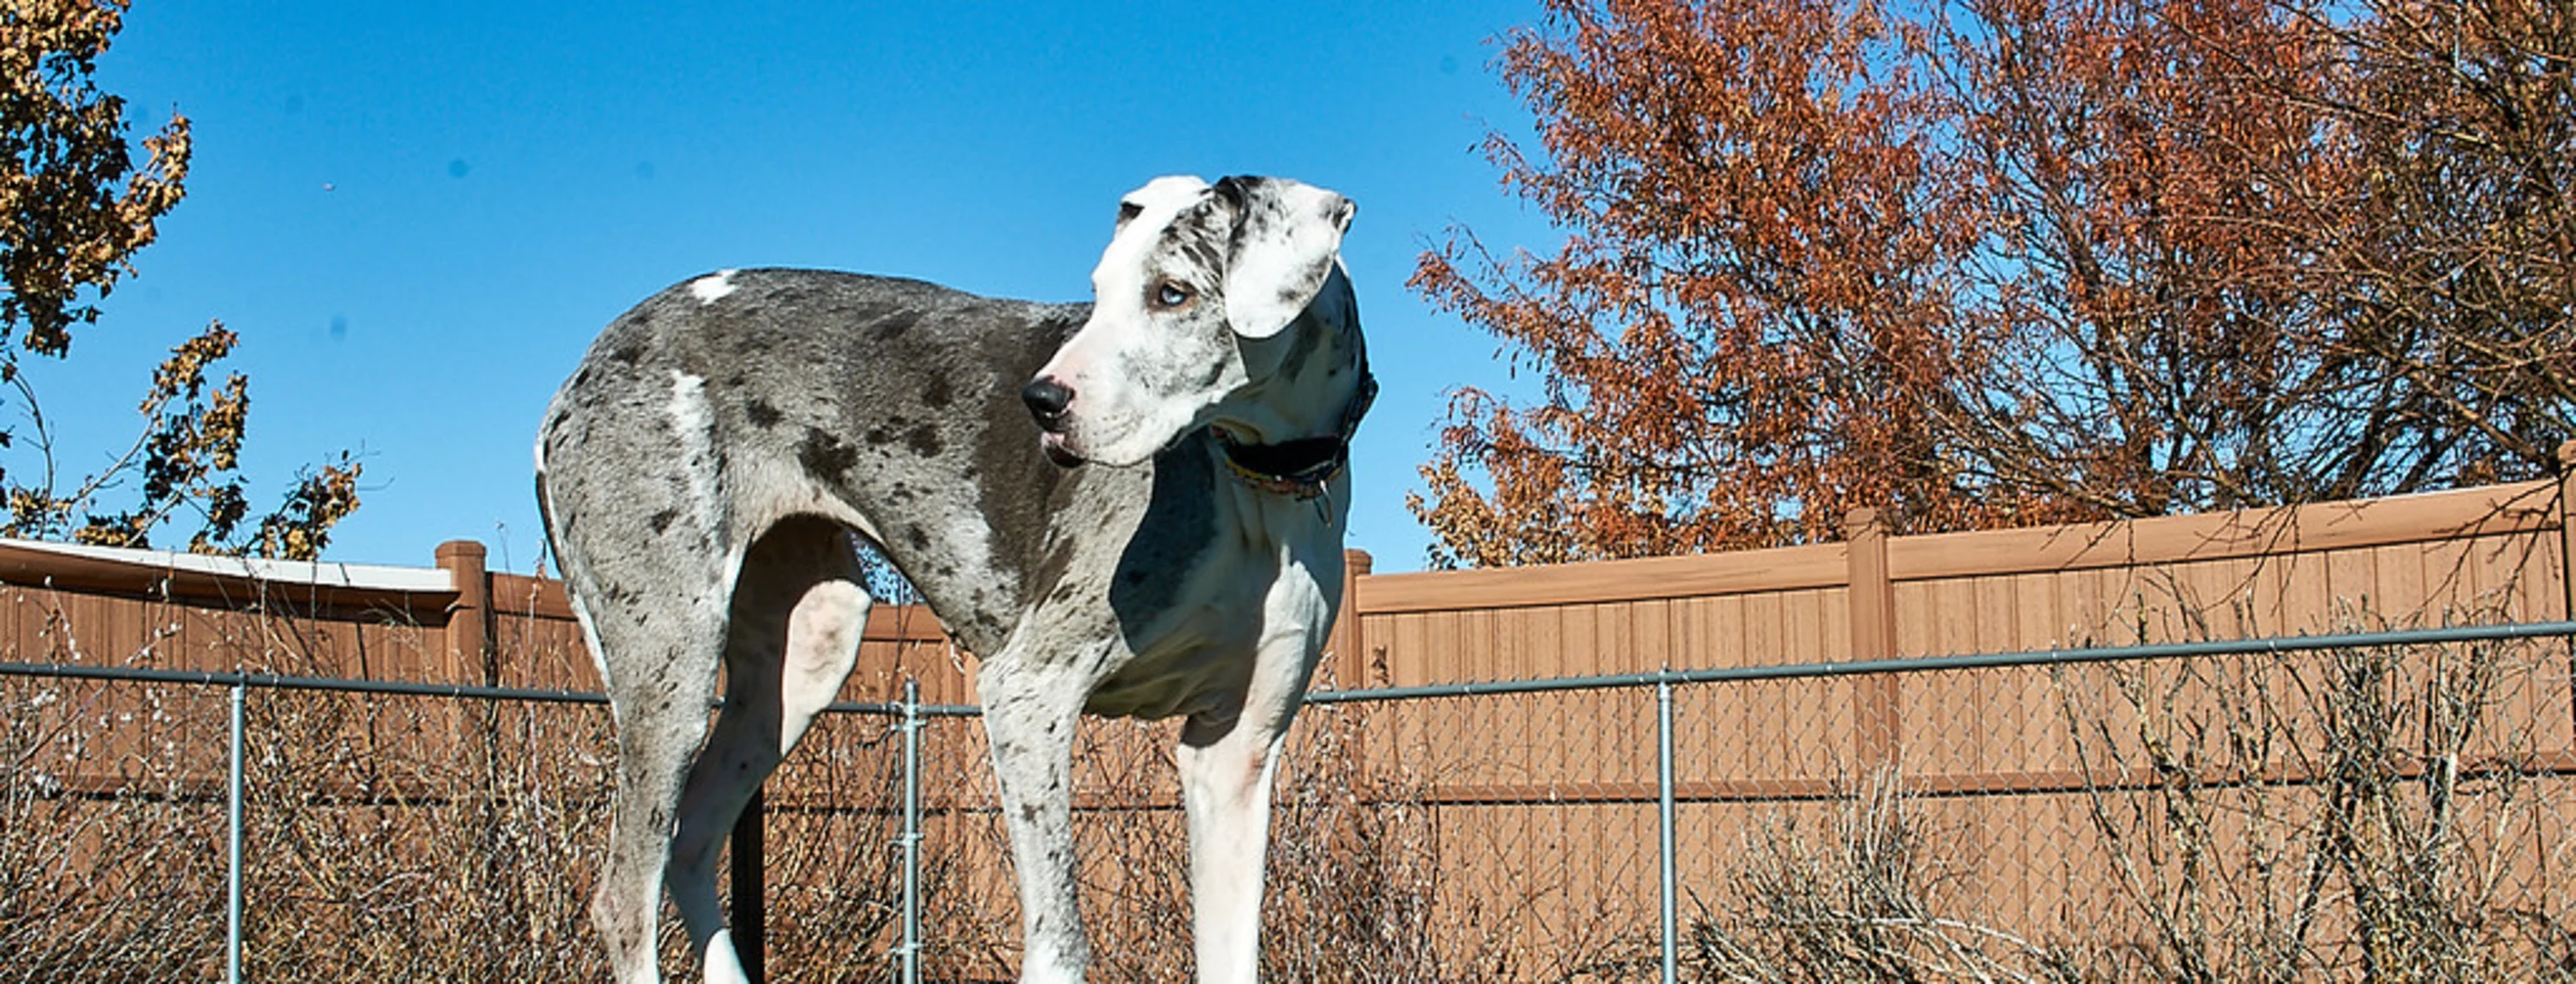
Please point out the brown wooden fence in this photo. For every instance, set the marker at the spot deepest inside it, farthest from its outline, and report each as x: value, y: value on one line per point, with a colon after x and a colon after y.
x: 2275, y: 572
x: 1996, y: 759
x: 455, y: 623
x: 2496, y: 552
x: 1544, y: 803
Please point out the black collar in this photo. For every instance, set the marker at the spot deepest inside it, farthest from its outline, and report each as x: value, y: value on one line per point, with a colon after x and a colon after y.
x: 1300, y: 469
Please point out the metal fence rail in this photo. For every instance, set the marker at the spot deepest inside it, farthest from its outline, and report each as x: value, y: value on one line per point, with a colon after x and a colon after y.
x: 1435, y: 751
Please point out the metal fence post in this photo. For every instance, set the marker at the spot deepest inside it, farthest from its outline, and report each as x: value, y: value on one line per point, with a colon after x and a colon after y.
x: 233, y: 842
x: 1664, y: 824
x: 912, y: 831
x: 750, y: 876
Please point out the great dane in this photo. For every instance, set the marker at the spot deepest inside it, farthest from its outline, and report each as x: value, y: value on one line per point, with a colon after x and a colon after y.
x: 1133, y: 507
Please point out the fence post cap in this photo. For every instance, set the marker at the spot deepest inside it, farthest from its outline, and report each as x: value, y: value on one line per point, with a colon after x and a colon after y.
x: 460, y: 550
x: 1862, y: 520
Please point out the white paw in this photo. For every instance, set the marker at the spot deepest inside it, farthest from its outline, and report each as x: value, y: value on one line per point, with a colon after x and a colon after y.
x: 723, y: 967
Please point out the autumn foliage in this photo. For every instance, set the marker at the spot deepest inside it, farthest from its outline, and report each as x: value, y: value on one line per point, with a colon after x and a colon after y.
x: 2005, y: 261
x: 74, y: 208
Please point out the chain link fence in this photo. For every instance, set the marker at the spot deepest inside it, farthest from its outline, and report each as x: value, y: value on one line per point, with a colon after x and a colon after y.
x: 2375, y: 805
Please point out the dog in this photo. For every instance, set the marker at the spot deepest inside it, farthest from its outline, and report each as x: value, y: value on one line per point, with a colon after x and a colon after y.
x: 1128, y: 508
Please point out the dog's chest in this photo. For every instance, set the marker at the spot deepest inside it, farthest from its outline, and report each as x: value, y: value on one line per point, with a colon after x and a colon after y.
x: 1198, y: 649
x: 1182, y: 605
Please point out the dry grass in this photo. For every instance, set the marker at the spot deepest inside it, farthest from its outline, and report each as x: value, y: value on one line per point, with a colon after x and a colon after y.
x: 2374, y: 814
x: 1359, y: 874
x: 1359, y: 890
x: 388, y: 838
x: 2366, y: 814
x: 1862, y: 900
x: 398, y: 838
x: 111, y: 858
x: 2380, y: 815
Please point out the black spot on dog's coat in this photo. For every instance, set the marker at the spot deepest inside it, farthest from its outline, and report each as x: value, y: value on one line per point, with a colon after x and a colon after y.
x: 662, y: 520
x: 924, y: 441
x: 762, y: 414
x: 937, y: 395
x: 825, y: 457
x: 893, y: 326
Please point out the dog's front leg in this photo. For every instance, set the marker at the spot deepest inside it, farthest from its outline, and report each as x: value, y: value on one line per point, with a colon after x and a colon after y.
x: 1029, y: 715
x: 1226, y: 761
x: 1225, y: 788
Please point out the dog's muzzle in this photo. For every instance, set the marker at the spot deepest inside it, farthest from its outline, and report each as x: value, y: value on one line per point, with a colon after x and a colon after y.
x: 1050, y: 403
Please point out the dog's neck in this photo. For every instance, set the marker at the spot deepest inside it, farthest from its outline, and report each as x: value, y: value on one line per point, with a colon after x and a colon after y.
x: 1305, y: 467
x: 1292, y: 434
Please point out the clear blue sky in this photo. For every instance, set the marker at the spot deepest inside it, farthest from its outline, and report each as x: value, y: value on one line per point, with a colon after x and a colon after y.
x: 418, y: 215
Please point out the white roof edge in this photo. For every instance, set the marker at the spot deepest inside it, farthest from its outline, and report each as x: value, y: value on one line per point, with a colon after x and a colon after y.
x: 325, y: 573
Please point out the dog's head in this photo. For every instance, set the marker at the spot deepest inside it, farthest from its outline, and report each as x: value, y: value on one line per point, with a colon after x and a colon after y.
x: 1197, y: 277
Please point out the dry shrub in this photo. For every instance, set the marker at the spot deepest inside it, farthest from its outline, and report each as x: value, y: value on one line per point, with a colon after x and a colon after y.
x: 387, y: 838
x: 395, y: 857
x: 111, y: 857
x: 1357, y: 860
x: 396, y: 838
x: 2391, y: 813
x: 834, y: 857
x: 1866, y: 898
x: 1359, y: 889
x: 2374, y: 814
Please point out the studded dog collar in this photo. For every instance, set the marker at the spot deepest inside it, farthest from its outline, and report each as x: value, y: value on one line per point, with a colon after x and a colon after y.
x: 1303, y: 468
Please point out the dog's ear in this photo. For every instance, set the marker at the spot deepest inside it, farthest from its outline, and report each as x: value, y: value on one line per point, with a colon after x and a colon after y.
x: 1286, y: 236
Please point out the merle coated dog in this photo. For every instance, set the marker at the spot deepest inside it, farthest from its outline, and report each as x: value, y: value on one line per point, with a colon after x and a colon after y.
x: 1134, y: 507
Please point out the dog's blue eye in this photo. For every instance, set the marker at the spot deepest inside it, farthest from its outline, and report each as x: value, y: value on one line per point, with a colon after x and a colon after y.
x: 1170, y: 295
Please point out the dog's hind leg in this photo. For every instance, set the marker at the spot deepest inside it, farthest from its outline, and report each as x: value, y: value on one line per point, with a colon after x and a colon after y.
x: 661, y: 662
x: 649, y: 588
x: 797, y: 615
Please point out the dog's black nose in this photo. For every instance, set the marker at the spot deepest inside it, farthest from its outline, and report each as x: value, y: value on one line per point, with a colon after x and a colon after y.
x: 1047, y: 400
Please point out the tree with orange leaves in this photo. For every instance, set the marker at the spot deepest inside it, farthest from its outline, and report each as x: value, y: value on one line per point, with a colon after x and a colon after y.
x: 74, y: 209
x: 1740, y: 311
x: 1991, y: 262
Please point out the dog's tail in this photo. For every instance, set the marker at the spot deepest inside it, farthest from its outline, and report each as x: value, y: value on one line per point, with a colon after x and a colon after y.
x: 546, y: 527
